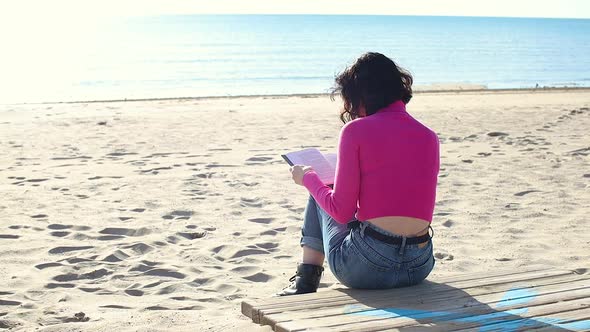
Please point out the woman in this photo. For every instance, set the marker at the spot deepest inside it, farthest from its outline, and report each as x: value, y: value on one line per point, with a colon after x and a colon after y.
x: 373, y: 225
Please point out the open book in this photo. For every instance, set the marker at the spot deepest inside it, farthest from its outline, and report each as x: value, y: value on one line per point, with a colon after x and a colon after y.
x: 323, y: 164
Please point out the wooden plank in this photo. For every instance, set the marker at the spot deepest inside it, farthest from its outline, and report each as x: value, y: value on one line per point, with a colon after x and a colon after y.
x: 349, y: 296
x: 455, y: 296
x: 413, y: 313
x: 268, y: 302
x: 525, y: 314
x: 455, y: 299
x: 578, y: 320
x: 400, y: 317
x: 248, y: 310
x: 574, y: 320
x: 424, y: 288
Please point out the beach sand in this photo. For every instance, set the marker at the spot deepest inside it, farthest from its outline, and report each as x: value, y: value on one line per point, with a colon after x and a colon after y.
x: 164, y: 215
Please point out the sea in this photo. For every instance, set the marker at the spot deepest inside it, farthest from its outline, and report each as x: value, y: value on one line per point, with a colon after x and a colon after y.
x: 235, y: 55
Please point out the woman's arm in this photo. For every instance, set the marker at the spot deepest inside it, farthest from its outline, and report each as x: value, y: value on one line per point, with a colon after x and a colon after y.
x: 340, y: 202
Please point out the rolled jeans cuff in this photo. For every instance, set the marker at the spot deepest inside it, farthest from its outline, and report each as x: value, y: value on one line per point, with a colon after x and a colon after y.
x: 313, y: 243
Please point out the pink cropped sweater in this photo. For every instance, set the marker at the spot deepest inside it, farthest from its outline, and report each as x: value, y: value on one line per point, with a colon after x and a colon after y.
x: 387, y: 165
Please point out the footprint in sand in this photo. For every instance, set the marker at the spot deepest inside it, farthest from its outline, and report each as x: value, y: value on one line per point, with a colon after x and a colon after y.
x: 258, y: 160
x: 134, y: 292
x: 9, y: 236
x: 19, y: 227
x: 60, y: 233
x: 512, y: 206
x: 249, y: 252
x: 52, y: 285
x: 261, y: 220
x: 114, y: 306
x: 61, y: 227
x: 224, y: 252
x: 270, y: 246
x: 105, y: 177
x: 157, y: 307
x: 140, y: 248
x: 153, y: 171
x: 62, y: 250
x: 497, y: 134
x: 258, y: 277
x: 9, y: 303
x: 526, y: 192
x: 580, y: 152
x: 192, y: 235
x: 503, y: 259
x: 178, y: 215
x: 116, y: 256
x: 443, y: 256
x: 282, y: 257
x: 47, y: 265
x: 9, y: 324
x: 164, y: 273
x: 126, y: 231
x: 93, y: 275
x: 164, y: 154
x: 251, y: 202
x: 246, y: 270
x: 22, y: 181
x: 240, y: 184
x: 217, y: 165
x: 172, y: 239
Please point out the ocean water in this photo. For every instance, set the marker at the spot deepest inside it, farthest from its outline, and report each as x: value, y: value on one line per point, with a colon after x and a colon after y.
x: 228, y: 55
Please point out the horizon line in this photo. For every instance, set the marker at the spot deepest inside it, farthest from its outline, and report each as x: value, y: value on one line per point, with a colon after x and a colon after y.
x: 351, y: 14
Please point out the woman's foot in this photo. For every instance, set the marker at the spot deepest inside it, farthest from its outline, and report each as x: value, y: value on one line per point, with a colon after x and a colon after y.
x: 306, y: 280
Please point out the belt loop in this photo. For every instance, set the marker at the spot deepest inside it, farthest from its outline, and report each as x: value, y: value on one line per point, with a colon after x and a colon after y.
x: 402, y: 246
x: 363, y: 227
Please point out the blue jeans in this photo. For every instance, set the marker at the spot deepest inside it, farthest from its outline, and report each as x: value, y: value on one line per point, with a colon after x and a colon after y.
x: 360, y: 261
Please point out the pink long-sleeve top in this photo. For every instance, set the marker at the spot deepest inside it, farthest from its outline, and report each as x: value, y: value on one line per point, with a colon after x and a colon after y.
x: 387, y: 165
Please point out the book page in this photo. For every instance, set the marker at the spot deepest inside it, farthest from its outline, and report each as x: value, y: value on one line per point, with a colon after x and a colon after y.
x: 332, y: 158
x: 314, y: 158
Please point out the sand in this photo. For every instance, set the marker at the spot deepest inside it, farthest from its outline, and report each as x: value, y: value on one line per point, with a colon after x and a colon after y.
x: 164, y: 215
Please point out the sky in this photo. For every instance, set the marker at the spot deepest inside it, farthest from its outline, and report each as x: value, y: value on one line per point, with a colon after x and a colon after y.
x: 88, y: 9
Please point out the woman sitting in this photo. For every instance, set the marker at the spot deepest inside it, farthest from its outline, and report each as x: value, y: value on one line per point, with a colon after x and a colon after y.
x: 373, y: 225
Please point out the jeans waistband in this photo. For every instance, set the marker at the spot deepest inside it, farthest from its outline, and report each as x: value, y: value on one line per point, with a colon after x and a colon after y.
x: 380, y: 234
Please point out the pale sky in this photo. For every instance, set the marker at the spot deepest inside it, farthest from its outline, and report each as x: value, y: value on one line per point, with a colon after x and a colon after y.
x: 78, y: 9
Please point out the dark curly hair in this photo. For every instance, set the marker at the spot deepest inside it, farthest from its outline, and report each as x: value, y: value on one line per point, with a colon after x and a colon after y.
x: 374, y: 81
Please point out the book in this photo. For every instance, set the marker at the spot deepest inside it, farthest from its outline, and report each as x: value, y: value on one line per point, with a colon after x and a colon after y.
x: 323, y: 164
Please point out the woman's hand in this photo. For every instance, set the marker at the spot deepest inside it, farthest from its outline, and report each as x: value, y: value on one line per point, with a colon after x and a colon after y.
x: 298, y: 171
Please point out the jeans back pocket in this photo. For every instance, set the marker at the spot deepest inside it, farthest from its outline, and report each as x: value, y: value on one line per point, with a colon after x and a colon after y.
x: 418, y: 273
x: 374, y: 253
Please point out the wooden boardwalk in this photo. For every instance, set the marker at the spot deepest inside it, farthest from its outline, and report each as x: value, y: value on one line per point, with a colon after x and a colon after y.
x: 541, y: 300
